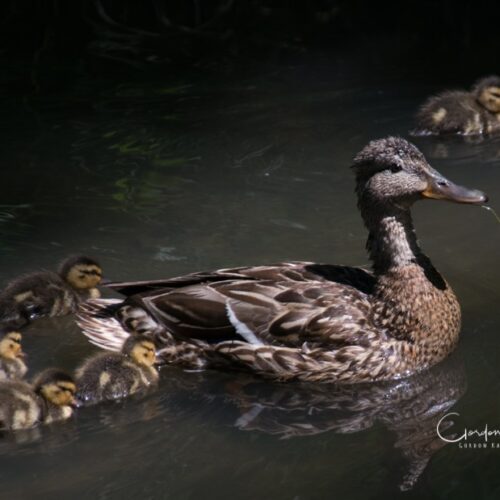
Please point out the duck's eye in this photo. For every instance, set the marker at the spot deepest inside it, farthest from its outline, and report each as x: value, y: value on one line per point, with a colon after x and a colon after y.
x: 395, y: 168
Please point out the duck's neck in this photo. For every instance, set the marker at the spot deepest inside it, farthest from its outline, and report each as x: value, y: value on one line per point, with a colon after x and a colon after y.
x: 411, y: 299
x: 392, y: 242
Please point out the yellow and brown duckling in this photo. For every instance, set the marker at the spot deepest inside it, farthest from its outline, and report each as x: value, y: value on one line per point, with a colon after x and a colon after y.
x: 46, y: 293
x: 49, y: 399
x: 12, y: 366
x: 308, y: 321
x: 108, y: 376
x: 460, y: 112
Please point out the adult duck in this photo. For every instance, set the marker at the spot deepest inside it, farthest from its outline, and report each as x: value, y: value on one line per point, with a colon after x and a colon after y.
x: 309, y: 321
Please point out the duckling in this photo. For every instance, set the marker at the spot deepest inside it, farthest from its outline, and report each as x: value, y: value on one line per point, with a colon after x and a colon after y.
x: 460, y: 112
x: 49, y: 399
x: 46, y: 293
x: 11, y: 364
x: 108, y: 376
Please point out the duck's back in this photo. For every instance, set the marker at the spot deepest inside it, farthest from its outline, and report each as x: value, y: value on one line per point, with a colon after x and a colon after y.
x: 284, y: 304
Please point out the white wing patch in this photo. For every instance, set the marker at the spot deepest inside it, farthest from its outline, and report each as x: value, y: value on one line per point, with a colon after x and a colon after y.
x: 241, y: 328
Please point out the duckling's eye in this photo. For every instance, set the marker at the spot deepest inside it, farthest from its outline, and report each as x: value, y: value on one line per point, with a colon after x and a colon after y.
x: 395, y: 168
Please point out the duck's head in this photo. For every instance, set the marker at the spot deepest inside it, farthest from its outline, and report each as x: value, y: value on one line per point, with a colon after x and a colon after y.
x: 56, y: 387
x: 80, y: 272
x: 10, y: 346
x: 391, y: 173
x: 487, y: 92
x: 141, y: 350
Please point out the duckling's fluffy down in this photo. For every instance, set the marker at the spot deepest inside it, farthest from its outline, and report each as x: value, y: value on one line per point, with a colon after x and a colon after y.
x: 452, y: 112
x: 108, y: 376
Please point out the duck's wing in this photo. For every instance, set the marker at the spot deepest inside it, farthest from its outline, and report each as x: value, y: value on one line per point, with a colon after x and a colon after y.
x: 356, y: 277
x: 264, y: 311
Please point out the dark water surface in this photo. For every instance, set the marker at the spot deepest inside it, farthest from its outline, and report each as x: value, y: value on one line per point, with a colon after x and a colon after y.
x: 158, y: 177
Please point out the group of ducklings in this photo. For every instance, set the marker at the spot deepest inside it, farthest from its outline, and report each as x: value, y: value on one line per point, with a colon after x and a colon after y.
x: 53, y: 393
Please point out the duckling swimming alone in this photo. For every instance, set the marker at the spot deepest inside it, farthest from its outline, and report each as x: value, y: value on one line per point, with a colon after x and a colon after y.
x: 11, y: 364
x: 49, y: 399
x: 108, y: 376
x: 46, y: 293
x: 459, y: 112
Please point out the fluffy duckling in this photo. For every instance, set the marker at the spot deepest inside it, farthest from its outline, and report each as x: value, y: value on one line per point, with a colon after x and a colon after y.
x: 46, y: 293
x: 50, y: 398
x: 459, y: 112
x: 108, y: 376
x: 12, y: 365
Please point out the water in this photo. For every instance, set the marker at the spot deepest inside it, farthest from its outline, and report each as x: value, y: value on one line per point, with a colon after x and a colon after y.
x: 486, y: 207
x: 159, y: 177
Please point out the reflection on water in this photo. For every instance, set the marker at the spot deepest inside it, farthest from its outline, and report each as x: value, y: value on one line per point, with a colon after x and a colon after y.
x: 159, y: 178
x: 410, y: 408
x: 207, y: 403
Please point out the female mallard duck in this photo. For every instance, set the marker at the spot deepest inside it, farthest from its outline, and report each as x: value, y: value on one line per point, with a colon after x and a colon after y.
x: 459, y: 112
x: 45, y: 293
x: 12, y: 365
x: 311, y: 321
x: 50, y: 398
x: 108, y: 376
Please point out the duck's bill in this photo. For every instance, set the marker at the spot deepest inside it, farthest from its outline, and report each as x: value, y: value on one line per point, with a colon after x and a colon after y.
x: 439, y: 188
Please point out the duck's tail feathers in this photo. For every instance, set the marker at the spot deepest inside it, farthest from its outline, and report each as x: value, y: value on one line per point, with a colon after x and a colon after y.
x: 96, y: 318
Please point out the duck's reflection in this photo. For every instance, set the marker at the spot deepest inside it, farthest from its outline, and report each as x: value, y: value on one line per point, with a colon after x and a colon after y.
x: 411, y: 408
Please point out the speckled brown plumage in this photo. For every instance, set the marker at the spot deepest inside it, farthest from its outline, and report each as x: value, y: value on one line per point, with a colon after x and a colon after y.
x: 459, y: 112
x: 311, y: 321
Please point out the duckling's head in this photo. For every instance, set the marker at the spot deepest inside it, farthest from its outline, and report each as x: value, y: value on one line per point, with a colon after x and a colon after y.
x: 392, y: 174
x: 487, y: 92
x: 10, y: 346
x: 141, y: 350
x: 80, y: 272
x: 55, y: 386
